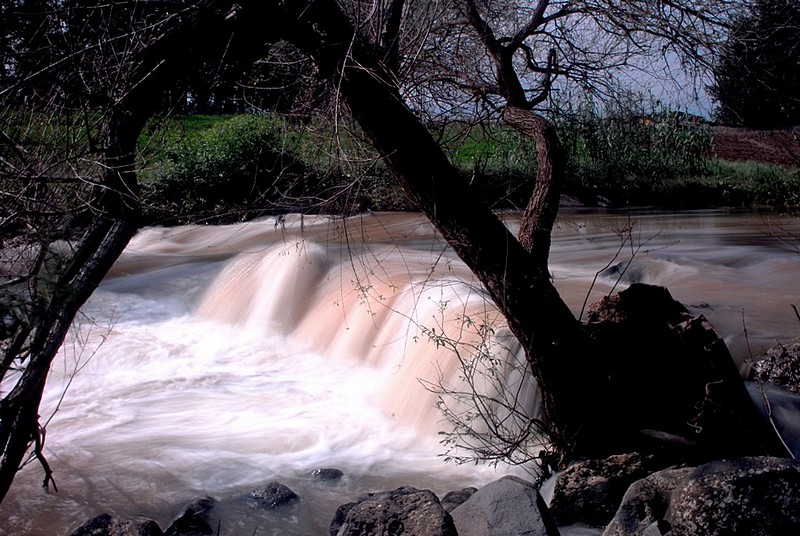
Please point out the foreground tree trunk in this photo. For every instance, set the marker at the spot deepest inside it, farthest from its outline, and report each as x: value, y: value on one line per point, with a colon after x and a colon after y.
x: 36, y: 342
x: 571, y: 369
x: 516, y: 279
x: 19, y: 418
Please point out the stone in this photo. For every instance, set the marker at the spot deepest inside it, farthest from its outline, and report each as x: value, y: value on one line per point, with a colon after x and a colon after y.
x: 407, y: 511
x: 780, y: 365
x: 194, y: 520
x: 757, y: 496
x: 673, y: 387
x: 272, y: 496
x: 509, y: 506
x: 590, y: 491
x: 328, y: 474
x: 645, y: 503
x: 107, y: 525
x: 456, y: 498
x: 754, y: 496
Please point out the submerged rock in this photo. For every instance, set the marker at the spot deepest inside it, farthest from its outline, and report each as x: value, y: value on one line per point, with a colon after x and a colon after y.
x: 107, y: 525
x: 509, y: 506
x: 754, y: 496
x: 327, y: 474
x: 194, y: 520
x: 271, y: 496
x: 407, y: 511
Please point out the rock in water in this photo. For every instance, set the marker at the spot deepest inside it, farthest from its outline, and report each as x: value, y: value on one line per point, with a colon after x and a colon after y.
x: 107, y: 525
x: 328, y: 474
x: 646, y: 503
x: 781, y: 366
x: 407, y: 511
x: 509, y: 506
x: 194, y: 520
x: 271, y: 496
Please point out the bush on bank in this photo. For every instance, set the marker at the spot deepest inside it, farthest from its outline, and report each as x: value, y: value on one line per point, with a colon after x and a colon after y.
x: 229, y: 168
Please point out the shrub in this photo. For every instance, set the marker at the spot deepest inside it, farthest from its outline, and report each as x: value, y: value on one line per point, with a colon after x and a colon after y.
x: 232, y: 168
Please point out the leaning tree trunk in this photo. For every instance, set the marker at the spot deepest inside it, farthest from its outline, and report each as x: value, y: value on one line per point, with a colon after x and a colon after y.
x: 76, y: 278
x: 517, y: 281
x: 19, y: 410
x: 153, y: 68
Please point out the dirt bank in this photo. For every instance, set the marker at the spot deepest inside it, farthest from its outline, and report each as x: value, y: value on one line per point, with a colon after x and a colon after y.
x: 781, y: 147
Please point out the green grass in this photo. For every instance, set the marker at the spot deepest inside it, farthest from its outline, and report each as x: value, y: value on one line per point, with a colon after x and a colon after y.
x: 207, y: 167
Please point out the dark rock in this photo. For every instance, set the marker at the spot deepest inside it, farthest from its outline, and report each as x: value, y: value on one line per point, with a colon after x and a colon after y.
x: 407, y: 511
x: 589, y: 492
x: 327, y: 474
x: 671, y: 375
x: 781, y: 366
x: 509, y: 506
x: 194, y: 520
x: 271, y: 496
x: 340, y: 516
x: 456, y: 498
x: 646, y: 503
x: 753, y: 496
x: 107, y: 525
x: 659, y: 528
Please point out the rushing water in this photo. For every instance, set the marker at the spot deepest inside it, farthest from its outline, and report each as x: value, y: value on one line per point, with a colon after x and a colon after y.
x: 213, y: 360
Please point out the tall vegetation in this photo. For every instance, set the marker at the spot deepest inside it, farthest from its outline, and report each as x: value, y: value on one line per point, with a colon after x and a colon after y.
x: 633, y: 154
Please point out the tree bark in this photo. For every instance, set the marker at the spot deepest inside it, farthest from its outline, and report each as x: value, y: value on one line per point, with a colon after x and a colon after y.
x: 516, y: 280
x: 539, y: 216
x: 19, y: 424
x: 117, y: 209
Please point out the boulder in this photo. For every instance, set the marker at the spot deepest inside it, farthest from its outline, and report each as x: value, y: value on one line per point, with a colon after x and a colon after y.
x: 271, y: 496
x: 194, y: 520
x: 407, y: 511
x: 509, y: 506
x: 645, y: 504
x: 673, y: 387
x: 456, y: 498
x: 753, y: 496
x: 107, y: 525
x: 590, y: 491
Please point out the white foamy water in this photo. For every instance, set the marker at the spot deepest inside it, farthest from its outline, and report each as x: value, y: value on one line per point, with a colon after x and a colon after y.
x: 214, y: 360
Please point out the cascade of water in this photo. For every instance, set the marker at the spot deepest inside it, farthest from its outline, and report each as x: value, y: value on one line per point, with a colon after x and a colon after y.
x: 214, y: 359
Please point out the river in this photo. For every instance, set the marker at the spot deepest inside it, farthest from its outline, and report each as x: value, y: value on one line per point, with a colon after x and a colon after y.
x: 213, y: 360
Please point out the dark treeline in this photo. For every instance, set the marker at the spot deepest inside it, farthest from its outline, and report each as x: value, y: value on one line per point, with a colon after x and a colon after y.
x: 36, y: 35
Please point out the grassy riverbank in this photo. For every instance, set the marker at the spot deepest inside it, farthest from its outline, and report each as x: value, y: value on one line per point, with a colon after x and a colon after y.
x: 235, y: 167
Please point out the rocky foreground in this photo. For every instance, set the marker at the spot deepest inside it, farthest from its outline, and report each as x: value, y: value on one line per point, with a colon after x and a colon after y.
x: 618, y: 496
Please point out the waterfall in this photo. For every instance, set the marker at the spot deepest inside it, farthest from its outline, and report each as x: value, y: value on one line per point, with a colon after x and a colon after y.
x: 212, y: 360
